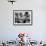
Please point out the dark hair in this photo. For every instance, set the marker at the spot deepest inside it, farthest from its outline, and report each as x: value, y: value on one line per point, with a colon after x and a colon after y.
x: 16, y: 14
x: 26, y: 12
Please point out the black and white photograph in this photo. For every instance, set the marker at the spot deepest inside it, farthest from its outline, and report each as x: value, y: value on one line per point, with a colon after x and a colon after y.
x: 22, y: 17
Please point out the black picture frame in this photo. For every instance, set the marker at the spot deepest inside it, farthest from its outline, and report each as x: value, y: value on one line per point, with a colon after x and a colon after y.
x: 23, y: 12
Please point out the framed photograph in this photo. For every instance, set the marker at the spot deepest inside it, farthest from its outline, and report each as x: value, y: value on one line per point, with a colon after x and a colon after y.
x: 22, y: 17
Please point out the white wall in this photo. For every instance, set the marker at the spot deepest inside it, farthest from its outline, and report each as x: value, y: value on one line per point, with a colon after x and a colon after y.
x: 38, y: 30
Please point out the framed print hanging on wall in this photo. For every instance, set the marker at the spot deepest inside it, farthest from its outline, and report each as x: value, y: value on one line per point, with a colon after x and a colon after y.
x: 22, y: 17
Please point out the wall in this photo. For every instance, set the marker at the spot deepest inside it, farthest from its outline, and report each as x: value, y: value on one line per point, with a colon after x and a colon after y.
x: 38, y: 30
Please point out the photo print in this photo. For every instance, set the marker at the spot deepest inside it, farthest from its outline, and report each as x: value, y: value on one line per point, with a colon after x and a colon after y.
x: 22, y: 17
